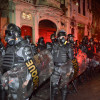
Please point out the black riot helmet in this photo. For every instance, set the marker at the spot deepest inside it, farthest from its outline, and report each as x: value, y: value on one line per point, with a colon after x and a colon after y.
x: 61, y: 36
x: 12, y: 33
x: 85, y: 40
x: 28, y: 38
x: 91, y: 40
x: 70, y: 35
x: 41, y: 41
x: 61, y: 33
x: 53, y: 38
x: 12, y: 29
x: 70, y: 38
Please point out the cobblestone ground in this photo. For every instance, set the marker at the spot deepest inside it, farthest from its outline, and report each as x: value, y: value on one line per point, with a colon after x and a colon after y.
x: 88, y: 90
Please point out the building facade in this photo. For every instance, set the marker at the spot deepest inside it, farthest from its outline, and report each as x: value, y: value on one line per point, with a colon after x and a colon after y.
x: 39, y: 18
x: 81, y: 18
x: 96, y: 20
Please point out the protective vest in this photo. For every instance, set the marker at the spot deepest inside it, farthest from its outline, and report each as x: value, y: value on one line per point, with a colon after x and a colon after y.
x: 13, y: 57
x: 60, y: 54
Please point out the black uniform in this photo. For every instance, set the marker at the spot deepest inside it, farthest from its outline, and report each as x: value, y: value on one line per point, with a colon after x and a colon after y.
x: 84, y: 45
x: 33, y: 46
x: 41, y: 44
x: 62, y: 56
x: 49, y: 45
x: 14, y: 65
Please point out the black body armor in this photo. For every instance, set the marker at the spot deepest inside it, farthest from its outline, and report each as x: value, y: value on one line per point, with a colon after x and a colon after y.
x: 15, y: 72
x: 62, y: 57
x: 60, y: 54
x: 15, y: 57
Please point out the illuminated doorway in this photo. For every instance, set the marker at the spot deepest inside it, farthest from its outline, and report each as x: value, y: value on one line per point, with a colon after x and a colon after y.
x: 46, y: 28
x: 26, y: 31
x: 81, y: 29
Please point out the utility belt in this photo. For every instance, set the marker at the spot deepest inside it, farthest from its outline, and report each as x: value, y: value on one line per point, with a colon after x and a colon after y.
x: 57, y: 64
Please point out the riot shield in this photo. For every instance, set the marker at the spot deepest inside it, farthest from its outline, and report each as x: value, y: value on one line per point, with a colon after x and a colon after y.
x: 79, y: 63
x: 14, y: 78
x: 44, y: 62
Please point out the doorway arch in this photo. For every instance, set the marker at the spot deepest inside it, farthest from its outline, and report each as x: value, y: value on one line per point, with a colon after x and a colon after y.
x: 46, y: 28
x: 26, y: 31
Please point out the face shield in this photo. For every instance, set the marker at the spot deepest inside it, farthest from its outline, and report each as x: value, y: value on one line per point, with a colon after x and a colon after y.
x: 71, y: 40
x: 62, y: 39
x: 9, y: 38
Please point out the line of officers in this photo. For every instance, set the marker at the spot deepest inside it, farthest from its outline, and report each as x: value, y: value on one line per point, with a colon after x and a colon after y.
x: 63, y: 49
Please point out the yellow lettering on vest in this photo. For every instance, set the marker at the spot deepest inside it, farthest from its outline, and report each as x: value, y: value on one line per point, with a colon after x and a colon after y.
x: 33, y: 68
x: 35, y: 79
x: 75, y: 64
x: 73, y: 61
x: 29, y: 63
x: 34, y: 73
x: 35, y: 84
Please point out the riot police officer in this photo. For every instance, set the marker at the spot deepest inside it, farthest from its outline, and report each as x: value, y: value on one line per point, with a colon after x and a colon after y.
x: 84, y: 45
x: 28, y: 38
x: 53, y: 38
x: 71, y: 43
x: 16, y: 61
x: 62, y: 56
x: 70, y: 39
x: 49, y: 45
x: 41, y: 44
x: 33, y: 46
x: 2, y: 49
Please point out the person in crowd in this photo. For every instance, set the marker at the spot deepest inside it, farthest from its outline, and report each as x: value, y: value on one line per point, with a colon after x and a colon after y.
x: 76, y: 46
x: 71, y: 43
x: 28, y: 38
x: 53, y: 38
x: 17, y: 60
x: 70, y: 39
x: 49, y: 45
x: 84, y: 45
x: 33, y: 46
x: 41, y: 44
x: 2, y: 49
x: 91, y: 48
x: 98, y: 47
x: 62, y: 58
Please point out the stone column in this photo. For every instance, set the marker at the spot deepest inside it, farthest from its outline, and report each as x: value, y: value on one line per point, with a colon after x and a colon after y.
x: 36, y: 27
x: 69, y: 16
x: 85, y: 31
x: 18, y: 17
x: 76, y: 32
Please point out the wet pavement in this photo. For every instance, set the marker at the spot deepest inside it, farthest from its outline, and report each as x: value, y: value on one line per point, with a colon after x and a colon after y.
x: 88, y: 90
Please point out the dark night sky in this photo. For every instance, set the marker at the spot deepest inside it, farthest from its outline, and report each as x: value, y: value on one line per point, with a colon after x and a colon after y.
x: 98, y: 1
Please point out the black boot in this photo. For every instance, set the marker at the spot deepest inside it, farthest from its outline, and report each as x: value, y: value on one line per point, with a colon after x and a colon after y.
x: 3, y: 94
x: 54, y: 90
x: 64, y: 92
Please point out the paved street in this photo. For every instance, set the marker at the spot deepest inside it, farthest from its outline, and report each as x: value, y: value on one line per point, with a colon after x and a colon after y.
x: 89, y: 90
